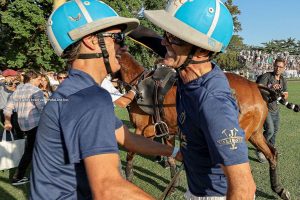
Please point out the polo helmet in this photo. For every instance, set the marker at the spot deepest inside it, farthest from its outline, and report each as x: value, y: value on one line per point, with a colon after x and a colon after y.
x: 204, y: 23
x: 77, y: 18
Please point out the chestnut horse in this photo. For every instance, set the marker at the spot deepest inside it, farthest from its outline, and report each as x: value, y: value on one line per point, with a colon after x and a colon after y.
x: 253, y: 112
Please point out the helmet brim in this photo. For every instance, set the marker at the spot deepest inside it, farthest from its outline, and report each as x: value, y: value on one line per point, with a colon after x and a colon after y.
x: 167, y: 22
x: 99, y: 25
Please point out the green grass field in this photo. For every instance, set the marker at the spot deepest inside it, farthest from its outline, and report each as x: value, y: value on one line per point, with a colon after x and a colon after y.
x: 153, y: 178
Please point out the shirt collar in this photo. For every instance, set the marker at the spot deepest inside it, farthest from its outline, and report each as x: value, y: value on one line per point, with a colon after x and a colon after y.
x: 82, y: 75
x: 76, y: 81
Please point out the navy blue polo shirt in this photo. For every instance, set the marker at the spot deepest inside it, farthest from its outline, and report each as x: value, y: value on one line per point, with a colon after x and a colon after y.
x: 210, y: 132
x: 77, y: 122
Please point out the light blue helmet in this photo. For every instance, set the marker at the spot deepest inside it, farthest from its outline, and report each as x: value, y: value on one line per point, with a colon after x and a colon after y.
x: 204, y: 23
x: 78, y: 18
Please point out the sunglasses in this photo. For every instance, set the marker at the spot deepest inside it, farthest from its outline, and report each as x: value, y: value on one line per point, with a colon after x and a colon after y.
x: 171, y: 39
x: 119, y: 38
x: 62, y: 77
x: 280, y: 67
x: 11, y: 83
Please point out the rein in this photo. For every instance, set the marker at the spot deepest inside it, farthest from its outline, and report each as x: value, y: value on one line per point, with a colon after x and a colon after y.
x: 167, y: 190
x: 169, y: 186
x: 137, y: 79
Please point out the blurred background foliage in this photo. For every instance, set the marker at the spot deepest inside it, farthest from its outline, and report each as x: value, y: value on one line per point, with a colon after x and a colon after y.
x: 24, y: 43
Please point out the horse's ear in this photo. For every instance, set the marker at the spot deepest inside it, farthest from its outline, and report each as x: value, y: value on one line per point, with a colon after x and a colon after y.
x: 149, y: 39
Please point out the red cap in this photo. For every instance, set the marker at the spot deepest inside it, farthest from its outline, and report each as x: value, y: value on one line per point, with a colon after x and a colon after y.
x: 9, y: 72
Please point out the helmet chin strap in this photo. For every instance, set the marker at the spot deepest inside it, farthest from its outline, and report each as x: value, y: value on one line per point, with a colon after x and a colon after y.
x: 190, y: 61
x: 104, y: 54
x: 89, y: 56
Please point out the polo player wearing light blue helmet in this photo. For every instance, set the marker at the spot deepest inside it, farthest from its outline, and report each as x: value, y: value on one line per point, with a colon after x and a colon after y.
x: 76, y: 19
x: 206, y: 24
x: 76, y: 152
x: 213, y: 145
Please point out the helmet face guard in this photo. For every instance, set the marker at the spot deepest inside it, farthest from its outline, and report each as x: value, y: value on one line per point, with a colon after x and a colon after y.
x: 207, y: 24
x: 78, y: 18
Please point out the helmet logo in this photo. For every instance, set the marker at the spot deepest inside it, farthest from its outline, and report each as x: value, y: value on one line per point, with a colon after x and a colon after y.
x: 75, y: 18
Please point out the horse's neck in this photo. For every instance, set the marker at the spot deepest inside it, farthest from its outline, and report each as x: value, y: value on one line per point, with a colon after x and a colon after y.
x: 131, y: 70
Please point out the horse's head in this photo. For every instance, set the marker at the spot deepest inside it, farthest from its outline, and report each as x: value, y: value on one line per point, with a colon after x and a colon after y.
x: 131, y: 71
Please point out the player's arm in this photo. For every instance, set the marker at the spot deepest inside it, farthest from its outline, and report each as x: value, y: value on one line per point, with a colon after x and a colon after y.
x: 285, y: 90
x: 222, y: 123
x: 126, y: 99
x: 240, y: 182
x: 264, y: 79
x: 105, y: 180
x: 142, y: 145
x: 7, y: 111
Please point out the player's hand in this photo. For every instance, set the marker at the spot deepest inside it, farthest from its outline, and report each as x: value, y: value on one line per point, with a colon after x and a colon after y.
x: 179, y: 156
x: 7, y: 126
x: 276, y: 86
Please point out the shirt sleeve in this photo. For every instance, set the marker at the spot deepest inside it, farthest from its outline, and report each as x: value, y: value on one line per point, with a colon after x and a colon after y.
x: 10, y: 106
x: 264, y: 79
x: 118, y: 123
x: 284, y: 88
x: 114, y: 93
x: 90, y: 134
x: 224, y: 137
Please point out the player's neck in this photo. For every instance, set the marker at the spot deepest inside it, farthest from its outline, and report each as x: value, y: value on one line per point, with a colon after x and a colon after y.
x: 195, y: 71
x: 93, y: 67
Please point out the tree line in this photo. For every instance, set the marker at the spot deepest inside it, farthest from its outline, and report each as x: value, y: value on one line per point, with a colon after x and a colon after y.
x: 24, y: 43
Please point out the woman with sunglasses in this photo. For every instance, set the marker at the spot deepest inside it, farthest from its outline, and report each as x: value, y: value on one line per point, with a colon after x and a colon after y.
x: 28, y: 102
x: 7, y: 87
x: 45, y: 86
x: 217, y: 167
x: 76, y: 153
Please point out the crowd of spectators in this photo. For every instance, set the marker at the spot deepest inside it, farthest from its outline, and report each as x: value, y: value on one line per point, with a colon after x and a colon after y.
x: 259, y: 62
x: 23, y: 96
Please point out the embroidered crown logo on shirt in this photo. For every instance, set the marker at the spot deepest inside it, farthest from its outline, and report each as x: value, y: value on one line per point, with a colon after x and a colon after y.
x: 231, y: 138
